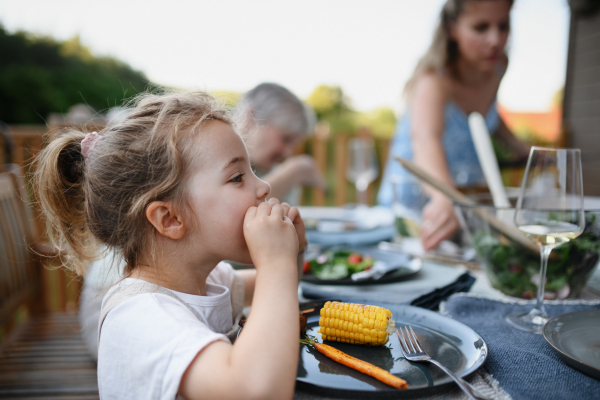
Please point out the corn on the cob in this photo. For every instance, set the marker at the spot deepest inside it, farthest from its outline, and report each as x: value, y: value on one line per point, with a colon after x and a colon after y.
x: 356, y: 323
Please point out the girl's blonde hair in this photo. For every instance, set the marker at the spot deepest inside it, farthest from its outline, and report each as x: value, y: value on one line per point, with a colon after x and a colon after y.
x: 103, y: 198
x: 443, y: 52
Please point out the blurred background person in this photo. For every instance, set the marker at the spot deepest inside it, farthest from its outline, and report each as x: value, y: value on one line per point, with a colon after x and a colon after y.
x: 273, y: 122
x: 459, y: 74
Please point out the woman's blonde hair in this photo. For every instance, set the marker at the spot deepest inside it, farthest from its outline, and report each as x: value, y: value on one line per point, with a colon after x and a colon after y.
x: 443, y: 52
x: 102, y: 198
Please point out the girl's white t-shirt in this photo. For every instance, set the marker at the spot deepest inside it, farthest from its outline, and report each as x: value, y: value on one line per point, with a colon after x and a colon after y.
x: 149, y: 340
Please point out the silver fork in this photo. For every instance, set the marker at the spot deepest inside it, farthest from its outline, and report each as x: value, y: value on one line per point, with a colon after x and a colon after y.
x: 413, y: 351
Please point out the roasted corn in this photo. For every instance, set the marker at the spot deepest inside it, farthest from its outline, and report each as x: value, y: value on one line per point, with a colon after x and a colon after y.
x: 355, y: 323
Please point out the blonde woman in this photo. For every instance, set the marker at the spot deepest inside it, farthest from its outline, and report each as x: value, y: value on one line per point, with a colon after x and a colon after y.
x: 460, y: 73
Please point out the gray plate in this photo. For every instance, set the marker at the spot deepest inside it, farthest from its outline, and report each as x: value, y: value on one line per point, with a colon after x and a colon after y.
x: 575, y: 337
x: 452, y: 343
x: 404, y: 270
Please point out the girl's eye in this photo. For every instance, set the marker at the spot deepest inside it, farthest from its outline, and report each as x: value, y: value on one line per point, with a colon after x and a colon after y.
x: 505, y: 27
x: 481, y: 27
x: 237, y: 178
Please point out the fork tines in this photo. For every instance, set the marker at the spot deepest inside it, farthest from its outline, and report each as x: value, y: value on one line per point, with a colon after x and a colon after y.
x: 410, y: 343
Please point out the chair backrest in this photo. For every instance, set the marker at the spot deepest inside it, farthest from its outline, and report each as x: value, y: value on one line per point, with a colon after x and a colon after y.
x: 19, y: 277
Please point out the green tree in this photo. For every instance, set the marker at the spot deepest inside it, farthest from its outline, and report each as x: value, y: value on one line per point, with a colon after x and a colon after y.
x: 39, y: 75
x: 331, y: 105
x: 380, y: 121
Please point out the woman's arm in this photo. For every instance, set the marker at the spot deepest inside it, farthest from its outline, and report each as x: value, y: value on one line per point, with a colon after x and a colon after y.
x: 427, y: 103
x: 297, y: 170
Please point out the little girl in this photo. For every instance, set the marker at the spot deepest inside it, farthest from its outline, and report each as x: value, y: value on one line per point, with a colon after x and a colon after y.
x: 171, y: 190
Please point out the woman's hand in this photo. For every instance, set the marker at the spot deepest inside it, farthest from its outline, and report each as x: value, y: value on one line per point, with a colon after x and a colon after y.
x: 297, y: 170
x: 305, y: 169
x: 439, y: 222
x: 271, y: 236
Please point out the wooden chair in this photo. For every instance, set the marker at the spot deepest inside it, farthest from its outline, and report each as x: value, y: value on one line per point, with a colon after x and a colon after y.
x: 42, y: 354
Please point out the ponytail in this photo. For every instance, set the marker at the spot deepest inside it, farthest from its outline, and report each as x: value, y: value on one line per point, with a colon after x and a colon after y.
x: 59, y: 181
x: 101, y: 198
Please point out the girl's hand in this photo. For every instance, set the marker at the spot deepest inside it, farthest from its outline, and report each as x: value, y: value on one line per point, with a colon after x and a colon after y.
x: 294, y: 215
x: 270, y: 235
x: 439, y: 222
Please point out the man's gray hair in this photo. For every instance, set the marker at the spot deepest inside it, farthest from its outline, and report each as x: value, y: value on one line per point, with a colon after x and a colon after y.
x: 272, y: 104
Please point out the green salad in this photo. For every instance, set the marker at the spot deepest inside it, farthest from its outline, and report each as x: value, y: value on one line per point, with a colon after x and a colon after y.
x: 515, y: 271
x: 337, y: 264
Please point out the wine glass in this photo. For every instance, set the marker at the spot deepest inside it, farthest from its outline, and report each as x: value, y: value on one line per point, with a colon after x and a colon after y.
x: 550, y: 211
x: 362, y: 167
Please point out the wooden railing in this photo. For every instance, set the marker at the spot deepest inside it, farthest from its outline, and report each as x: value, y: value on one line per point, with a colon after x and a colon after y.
x: 329, y: 152
x: 60, y: 289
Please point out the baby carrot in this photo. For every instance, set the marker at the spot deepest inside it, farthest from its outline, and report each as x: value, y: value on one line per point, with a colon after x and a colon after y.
x: 359, y: 365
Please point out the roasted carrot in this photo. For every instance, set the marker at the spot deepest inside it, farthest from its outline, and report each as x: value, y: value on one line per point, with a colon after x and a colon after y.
x: 359, y: 365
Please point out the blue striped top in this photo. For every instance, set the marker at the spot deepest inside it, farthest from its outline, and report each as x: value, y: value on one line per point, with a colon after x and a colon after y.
x: 459, y: 149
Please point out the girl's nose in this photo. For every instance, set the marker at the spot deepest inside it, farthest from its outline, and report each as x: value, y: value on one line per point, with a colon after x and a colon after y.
x: 262, y: 189
x: 495, y: 37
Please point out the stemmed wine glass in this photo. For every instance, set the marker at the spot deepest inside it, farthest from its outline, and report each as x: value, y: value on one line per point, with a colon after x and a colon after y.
x: 362, y: 167
x: 550, y: 211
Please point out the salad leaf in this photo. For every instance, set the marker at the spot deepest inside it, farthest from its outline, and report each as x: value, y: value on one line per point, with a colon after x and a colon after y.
x: 514, y: 271
x: 339, y: 263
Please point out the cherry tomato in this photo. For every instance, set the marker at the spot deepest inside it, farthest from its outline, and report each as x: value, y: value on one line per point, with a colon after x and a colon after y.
x: 306, y: 267
x: 354, y: 258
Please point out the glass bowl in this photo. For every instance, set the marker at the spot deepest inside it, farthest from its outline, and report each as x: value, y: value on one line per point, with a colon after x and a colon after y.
x: 514, y: 270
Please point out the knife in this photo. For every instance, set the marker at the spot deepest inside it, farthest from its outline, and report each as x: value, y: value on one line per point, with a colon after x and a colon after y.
x: 379, y: 269
x: 459, y: 259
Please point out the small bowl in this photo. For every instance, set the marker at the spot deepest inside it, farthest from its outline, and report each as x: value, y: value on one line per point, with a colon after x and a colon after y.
x: 514, y: 270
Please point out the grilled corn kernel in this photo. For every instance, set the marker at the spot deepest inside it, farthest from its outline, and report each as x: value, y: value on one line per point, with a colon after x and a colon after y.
x: 356, y: 323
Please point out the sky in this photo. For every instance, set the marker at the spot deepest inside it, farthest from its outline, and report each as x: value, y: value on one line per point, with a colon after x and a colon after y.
x: 369, y: 48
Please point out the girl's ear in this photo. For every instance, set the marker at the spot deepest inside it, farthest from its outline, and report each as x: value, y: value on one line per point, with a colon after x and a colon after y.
x: 165, y: 219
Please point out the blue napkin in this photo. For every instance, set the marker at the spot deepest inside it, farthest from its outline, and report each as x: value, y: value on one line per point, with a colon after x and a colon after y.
x: 432, y: 300
x: 523, y: 363
x: 419, y: 297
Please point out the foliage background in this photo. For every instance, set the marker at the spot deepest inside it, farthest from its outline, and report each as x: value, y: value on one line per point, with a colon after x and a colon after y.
x: 39, y: 75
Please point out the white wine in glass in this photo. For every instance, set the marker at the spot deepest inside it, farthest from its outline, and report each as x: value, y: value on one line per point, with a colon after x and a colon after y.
x: 362, y: 167
x: 550, y: 211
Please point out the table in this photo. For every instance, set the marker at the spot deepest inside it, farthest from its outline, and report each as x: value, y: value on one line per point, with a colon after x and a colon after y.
x: 435, y: 275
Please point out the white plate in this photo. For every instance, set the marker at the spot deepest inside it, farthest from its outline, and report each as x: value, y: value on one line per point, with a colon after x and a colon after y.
x: 343, y: 219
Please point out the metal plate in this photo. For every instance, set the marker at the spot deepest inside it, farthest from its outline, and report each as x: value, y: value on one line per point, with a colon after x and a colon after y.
x: 405, y: 269
x: 452, y: 343
x: 575, y: 337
